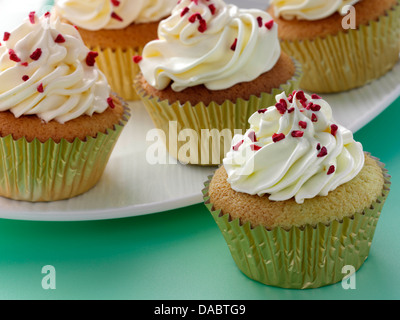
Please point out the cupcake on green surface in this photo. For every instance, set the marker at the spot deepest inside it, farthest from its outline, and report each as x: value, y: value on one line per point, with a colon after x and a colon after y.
x: 212, y: 66
x: 297, y: 199
x: 59, y: 120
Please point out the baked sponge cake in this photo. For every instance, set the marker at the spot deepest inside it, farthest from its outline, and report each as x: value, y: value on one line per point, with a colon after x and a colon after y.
x: 297, y: 199
x: 339, y: 49
x: 213, y: 65
x: 59, y: 121
x: 117, y: 30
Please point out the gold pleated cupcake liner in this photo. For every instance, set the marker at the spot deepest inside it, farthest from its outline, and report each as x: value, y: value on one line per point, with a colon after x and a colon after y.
x: 351, y: 58
x: 119, y: 69
x: 301, y: 258
x: 191, y: 126
x: 50, y: 171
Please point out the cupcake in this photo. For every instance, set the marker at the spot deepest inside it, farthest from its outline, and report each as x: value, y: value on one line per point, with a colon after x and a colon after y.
x: 297, y: 199
x: 212, y: 66
x: 59, y: 121
x: 339, y: 49
x: 117, y: 30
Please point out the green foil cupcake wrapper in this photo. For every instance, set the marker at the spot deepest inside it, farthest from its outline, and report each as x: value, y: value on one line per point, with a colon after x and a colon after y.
x: 36, y: 171
x: 301, y: 258
x: 119, y: 69
x: 224, y: 118
x: 351, y: 58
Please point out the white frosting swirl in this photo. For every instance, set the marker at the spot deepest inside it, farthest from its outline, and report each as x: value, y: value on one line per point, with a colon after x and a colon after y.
x: 293, y: 150
x: 44, y: 72
x: 113, y: 14
x: 210, y: 43
x: 309, y: 9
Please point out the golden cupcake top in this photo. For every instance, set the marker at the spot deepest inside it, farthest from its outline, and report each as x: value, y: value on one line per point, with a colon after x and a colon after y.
x: 113, y: 14
x: 46, y: 70
x: 210, y: 43
x: 293, y: 150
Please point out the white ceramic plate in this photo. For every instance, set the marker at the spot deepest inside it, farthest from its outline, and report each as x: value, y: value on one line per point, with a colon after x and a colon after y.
x: 131, y: 186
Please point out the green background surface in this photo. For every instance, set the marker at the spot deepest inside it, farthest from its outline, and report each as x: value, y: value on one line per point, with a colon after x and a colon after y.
x: 181, y: 254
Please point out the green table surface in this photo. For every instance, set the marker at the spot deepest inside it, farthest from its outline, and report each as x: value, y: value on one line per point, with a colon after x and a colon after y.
x: 181, y: 254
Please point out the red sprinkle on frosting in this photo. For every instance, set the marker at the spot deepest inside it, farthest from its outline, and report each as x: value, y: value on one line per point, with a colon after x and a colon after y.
x: 116, y: 17
x: 6, y: 36
x: 59, y: 39
x: 237, y: 146
x: 36, y: 54
x: 278, y: 137
x: 255, y: 147
x: 233, y: 46
x: 32, y: 17
x: 331, y: 170
x: 40, y: 88
x: 91, y: 58
x: 297, y: 134
x: 269, y: 25
x: 334, y: 129
x: 323, y: 152
x: 13, y: 56
x: 137, y: 59
x: 303, y: 124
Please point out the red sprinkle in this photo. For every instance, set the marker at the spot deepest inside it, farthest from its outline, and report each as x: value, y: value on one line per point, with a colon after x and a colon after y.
x: 212, y: 9
x: 303, y: 124
x: 91, y: 58
x: 116, y: 3
x: 262, y: 111
x: 334, y: 129
x: 315, y: 96
x: 110, y: 103
x: 315, y: 107
x: 203, y: 26
x: 137, y: 59
x: 116, y: 17
x: 59, y: 39
x: 47, y: 14
x: 6, y: 36
x: 184, y: 11
x: 233, y: 46
x: 278, y: 137
x: 13, y: 56
x: 24, y: 64
x: 323, y: 152
x: 301, y: 96
x: 269, y: 25
x: 314, y: 118
x: 255, y: 147
x: 331, y: 170
x: 260, y: 21
x: 281, y: 108
x: 25, y: 78
x: 36, y: 54
x: 237, y: 146
x: 40, y: 88
x: 297, y: 134
x: 252, y: 136
x: 318, y: 146
x: 32, y: 17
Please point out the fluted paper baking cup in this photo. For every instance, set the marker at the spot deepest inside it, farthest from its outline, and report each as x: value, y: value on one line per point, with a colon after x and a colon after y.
x: 351, y: 58
x: 301, y: 258
x: 201, y: 134
x: 119, y: 69
x: 36, y: 171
